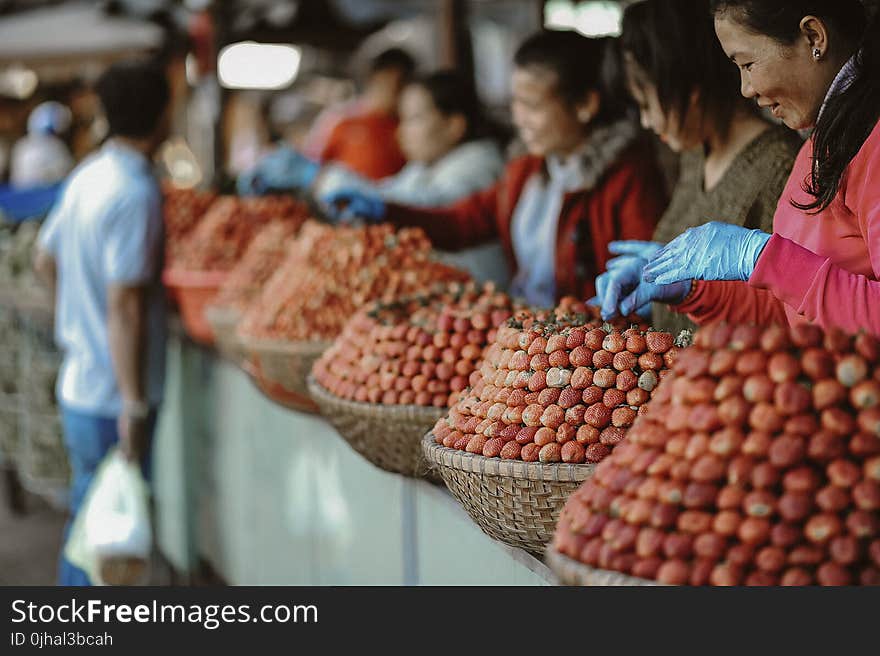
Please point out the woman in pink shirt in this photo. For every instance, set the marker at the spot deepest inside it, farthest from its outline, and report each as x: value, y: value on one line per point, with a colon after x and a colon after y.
x: 813, y: 64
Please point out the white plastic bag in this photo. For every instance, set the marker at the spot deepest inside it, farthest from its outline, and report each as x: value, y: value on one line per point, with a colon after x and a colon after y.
x: 111, y: 537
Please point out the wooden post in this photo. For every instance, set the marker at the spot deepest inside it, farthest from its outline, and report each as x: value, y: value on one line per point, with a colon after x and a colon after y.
x: 455, y: 38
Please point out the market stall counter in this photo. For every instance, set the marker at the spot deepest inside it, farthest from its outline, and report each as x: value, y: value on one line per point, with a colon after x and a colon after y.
x: 267, y: 495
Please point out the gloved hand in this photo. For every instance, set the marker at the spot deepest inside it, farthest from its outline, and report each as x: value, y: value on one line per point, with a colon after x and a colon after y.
x: 713, y: 251
x: 646, y: 293
x: 623, y: 275
x: 347, y: 204
x: 283, y: 169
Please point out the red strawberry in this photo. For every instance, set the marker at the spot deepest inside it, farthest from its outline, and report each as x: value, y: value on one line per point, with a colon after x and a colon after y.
x: 658, y: 342
x: 598, y: 415
x: 582, y: 378
x: 597, y: 452
x: 601, y: 359
x: 592, y: 394
x: 559, y: 359
x: 569, y: 397
x: 581, y: 356
x: 593, y: 339
x: 614, y: 343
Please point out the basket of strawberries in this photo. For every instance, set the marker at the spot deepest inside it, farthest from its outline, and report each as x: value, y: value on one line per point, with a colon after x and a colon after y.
x: 213, y: 248
x: 328, y: 274
x: 244, y: 283
x: 756, y: 463
x: 557, y: 391
x: 396, y: 367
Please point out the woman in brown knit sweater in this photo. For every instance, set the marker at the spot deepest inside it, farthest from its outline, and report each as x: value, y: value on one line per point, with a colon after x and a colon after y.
x: 734, y: 163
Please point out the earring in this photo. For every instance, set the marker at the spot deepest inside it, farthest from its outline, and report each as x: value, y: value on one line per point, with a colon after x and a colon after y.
x: 817, y: 54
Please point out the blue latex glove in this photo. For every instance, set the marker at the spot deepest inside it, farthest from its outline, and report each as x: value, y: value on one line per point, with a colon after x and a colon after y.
x: 713, y: 251
x: 283, y: 169
x: 623, y: 275
x: 646, y: 293
x: 347, y: 204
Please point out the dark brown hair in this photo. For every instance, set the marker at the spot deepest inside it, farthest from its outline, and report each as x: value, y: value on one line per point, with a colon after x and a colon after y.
x: 663, y: 37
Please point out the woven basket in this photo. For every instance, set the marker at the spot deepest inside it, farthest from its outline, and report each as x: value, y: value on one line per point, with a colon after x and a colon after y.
x: 513, y: 501
x: 43, y: 463
x: 224, y: 322
x: 280, y: 369
x: 572, y: 572
x: 389, y: 436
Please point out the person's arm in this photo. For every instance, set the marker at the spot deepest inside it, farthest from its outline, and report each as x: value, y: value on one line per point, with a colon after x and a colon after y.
x: 46, y: 269
x: 469, y: 222
x: 821, y: 291
x: 731, y: 301
x: 126, y: 322
x: 466, y: 170
x: 815, y: 287
x: 44, y: 263
x: 131, y: 256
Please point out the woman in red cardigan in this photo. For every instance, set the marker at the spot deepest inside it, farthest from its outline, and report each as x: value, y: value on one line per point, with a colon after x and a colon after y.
x: 589, y: 178
x: 814, y: 65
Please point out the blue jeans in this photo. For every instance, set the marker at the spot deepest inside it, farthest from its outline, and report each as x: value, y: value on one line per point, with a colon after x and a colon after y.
x: 88, y: 438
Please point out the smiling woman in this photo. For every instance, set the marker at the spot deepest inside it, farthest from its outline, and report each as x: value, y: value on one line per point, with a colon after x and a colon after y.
x: 734, y: 163
x: 816, y: 64
x: 789, y: 54
x: 587, y: 180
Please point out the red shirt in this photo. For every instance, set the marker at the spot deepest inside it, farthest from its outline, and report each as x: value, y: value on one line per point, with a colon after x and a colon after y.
x: 823, y: 268
x: 625, y: 204
x: 366, y: 144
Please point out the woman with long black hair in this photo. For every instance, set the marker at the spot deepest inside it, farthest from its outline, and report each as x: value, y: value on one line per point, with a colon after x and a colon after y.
x: 734, y: 162
x: 813, y: 64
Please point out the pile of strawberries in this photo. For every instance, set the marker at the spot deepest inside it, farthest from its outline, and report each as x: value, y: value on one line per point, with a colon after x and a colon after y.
x: 420, y: 350
x: 757, y: 463
x: 557, y: 388
x: 261, y: 260
x: 331, y: 272
x: 182, y: 209
x: 222, y: 236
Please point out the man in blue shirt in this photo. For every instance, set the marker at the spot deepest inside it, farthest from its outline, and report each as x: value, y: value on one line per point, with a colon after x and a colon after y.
x: 101, y: 250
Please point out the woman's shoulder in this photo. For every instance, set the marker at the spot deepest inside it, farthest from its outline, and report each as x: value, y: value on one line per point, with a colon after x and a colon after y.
x: 871, y: 147
x: 775, y: 146
x: 481, y: 152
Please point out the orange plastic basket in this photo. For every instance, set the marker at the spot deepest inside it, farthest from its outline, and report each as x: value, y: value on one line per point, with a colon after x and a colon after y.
x: 194, y: 291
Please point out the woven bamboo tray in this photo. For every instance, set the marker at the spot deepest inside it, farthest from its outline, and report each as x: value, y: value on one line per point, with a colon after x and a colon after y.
x: 389, y: 436
x: 572, y: 572
x: 513, y: 501
x: 280, y: 369
x: 224, y: 322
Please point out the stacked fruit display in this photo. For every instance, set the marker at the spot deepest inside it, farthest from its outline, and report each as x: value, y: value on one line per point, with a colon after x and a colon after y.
x: 557, y: 389
x: 757, y: 463
x: 260, y: 261
x: 182, y: 210
x: 214, y: 247
x: 417, y: 351
x: 330, y: 273
x: 244, y: 283
x: 222, y: 236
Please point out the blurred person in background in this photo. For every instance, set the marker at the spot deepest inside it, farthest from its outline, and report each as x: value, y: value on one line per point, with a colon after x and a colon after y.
x: 41, y: 158
x: 452, y: 150
x: 100, y: 250
x: 360, y: 133
x: 450, y: 146
x: 589, y: 177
